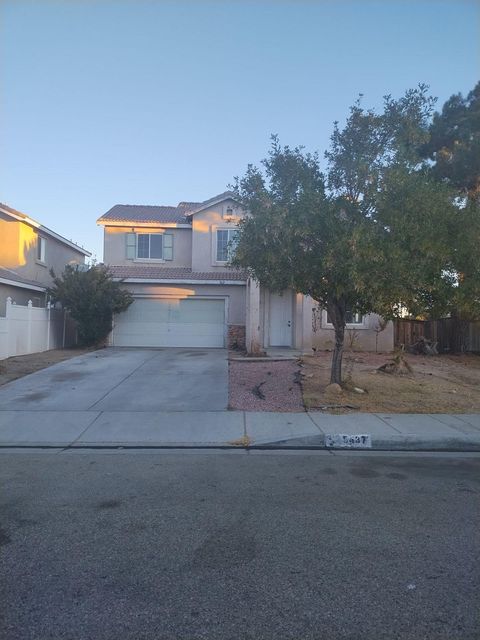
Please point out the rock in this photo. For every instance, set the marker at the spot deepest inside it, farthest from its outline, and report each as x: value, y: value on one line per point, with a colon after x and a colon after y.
x: 358, y: 390
x: 334, y: 388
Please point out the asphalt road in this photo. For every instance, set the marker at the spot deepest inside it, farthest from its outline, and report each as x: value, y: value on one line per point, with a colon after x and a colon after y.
x: 239, y: 546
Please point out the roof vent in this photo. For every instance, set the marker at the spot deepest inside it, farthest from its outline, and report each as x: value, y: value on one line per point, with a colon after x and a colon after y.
x: 229, y: 214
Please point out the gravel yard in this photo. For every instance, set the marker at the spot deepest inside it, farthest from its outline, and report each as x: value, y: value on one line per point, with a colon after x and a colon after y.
x: 265, y: 386
x: 438, y: 384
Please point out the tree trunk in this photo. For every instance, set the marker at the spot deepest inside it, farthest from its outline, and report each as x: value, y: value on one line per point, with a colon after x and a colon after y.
x: 336, y: 311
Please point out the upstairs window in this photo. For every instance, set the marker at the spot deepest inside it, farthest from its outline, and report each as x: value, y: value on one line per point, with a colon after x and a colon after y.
x: 149, y: 246
x: 226, y: 243
x: 41, y: 244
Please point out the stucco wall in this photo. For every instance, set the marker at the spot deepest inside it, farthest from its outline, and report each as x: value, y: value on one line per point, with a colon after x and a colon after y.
x: 12, y: 248
x: 301, y: 320
x: 205, y: 224
x: 115, y: 252
x: 234, y: 293
x: 358, y: 337
x: 195, y: 247
x: 18, y: 251
x: 19, y: 296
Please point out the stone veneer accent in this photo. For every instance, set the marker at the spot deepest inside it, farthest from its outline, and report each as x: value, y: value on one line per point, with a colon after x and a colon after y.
x: 236, y: 336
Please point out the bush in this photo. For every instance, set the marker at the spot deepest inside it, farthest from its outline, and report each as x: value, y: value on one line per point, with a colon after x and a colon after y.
x: 91, y: 297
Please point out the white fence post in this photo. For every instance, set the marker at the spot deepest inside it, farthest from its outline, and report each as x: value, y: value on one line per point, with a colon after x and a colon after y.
x: 48, y: 325
x: 8, y: 313
x: 29, y: 326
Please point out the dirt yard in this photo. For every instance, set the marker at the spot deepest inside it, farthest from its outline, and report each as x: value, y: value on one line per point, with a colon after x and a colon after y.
x: 438, y: 384
x: 19, y: 366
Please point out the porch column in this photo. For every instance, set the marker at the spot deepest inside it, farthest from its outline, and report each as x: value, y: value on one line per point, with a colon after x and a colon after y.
x: 252, y: 325
x: 307, y: 317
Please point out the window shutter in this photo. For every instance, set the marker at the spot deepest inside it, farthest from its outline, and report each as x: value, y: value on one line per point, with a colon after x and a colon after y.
x: 168, y: 246
x: 131, y: 244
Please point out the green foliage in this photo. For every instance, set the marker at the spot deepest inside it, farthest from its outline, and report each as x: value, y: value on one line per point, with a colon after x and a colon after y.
x: 453, y: 150
x: 454, y: 143
x: 91, y: 297
x: 371, y: 236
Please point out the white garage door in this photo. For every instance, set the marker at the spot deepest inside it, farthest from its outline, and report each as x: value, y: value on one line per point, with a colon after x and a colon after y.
x: 190, y: 322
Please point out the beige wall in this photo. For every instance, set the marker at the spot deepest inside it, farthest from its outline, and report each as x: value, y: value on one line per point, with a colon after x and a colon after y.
x: 234, y: 293
x: 194, y: 248
x: 362, y: 337
x: 115, y: 252
x: 18, y: 251
x: 205, y: 224
x: 357, y: 337
x: 301, y: 320
x: 13, y: 249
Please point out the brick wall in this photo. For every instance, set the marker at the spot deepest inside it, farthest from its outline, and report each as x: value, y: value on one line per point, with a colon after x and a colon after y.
x: 236, y: 336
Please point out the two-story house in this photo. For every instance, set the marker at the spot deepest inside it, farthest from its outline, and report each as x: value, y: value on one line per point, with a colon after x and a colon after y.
x: 28, y: 251
x: 174, y: 259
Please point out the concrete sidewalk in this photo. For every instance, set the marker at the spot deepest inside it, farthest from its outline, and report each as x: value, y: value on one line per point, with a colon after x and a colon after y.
x: 237, y: 428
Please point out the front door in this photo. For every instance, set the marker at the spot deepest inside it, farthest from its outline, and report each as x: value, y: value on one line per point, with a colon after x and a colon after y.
x: 281, y: 319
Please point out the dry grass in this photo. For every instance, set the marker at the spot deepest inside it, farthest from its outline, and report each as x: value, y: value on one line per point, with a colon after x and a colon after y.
x: 438, y: 384
x: 244, y: 441
x: 19, y: 366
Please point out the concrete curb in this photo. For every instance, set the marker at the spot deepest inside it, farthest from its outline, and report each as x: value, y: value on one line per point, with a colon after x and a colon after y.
x: 313, y: 443
x: 397, y: 443
x: 239, y: 430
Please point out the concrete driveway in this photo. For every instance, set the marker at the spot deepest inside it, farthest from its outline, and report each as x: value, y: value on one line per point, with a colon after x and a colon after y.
x: 126, y: 380
x: 177, y: 398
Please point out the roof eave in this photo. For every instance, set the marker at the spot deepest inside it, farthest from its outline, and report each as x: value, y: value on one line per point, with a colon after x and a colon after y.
x: 133, y: 280
x: 22, y: 217
x: 137, y: 223
x: 22, y: 285
x: 228, y: 195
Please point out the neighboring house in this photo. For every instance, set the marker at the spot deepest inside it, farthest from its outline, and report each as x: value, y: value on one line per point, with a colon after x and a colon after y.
x: 175, y: 262
x: 28, y: 251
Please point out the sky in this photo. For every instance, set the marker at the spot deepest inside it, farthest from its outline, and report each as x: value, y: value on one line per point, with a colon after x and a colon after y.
x: 155, y: 102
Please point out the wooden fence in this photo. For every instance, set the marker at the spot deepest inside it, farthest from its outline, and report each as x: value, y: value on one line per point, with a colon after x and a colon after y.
x: 449, y: 336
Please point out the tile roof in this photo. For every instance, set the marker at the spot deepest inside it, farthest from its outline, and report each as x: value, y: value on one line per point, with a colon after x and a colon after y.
x: 146, y: 213
x: 9, y: 274
x: 173, y: 273
x: 160, y: 213
x: 203, y: 205
x: 189, y: 205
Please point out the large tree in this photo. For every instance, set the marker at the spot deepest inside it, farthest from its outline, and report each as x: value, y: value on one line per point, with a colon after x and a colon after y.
x: 370, y: 236
x: 91, y: 297
x: 453, y: 144
x: 453, y: 152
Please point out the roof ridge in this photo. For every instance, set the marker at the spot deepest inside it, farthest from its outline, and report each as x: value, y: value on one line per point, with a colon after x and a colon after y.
x: 155, y: 206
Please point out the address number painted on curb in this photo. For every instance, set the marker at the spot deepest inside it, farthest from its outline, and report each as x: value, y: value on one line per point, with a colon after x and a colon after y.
x: 346, y: 441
